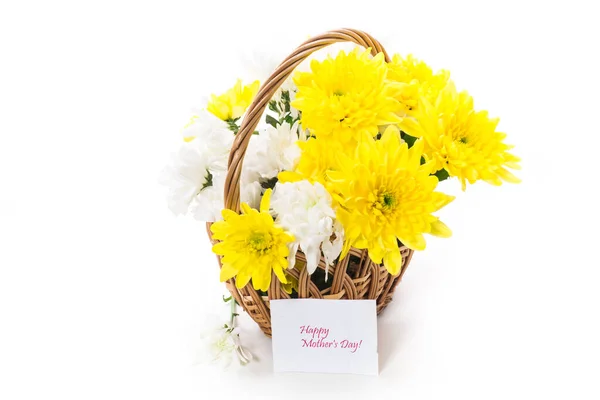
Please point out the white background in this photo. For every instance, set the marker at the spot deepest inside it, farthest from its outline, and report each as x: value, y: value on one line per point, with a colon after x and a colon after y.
x: 103, y: 292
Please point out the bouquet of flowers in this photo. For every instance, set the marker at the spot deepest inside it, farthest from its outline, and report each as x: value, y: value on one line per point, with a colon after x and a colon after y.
x: 342, y: 157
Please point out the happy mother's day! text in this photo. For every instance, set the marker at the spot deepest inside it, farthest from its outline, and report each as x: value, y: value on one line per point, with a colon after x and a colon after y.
x: 319, y: 337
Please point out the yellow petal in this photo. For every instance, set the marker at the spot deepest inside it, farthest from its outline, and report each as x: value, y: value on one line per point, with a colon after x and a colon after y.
x: 439, y: 229
x: 345, y: 249
x: 227, y: 272
x: 361, y: 243
x: 262, y: 279
x: 266, y: 201
x: 391, y: 136
x: 512, y: 165
x: 220, y: 248
x: 441, y: 199
x: 376, y: 253
x: 415, y: 153
x: 289, y: 176
x: 392, y: 260
x: 226, y: 213
x: 507, y: 176
x: 280, y: 274
x: 242, y: 279
x: 415, y: 242
x: 245, y: 208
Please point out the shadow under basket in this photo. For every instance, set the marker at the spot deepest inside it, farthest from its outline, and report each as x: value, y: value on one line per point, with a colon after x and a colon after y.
x: 355, y: 277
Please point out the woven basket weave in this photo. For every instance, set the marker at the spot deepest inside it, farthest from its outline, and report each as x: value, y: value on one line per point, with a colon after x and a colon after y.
x: 356, y: 276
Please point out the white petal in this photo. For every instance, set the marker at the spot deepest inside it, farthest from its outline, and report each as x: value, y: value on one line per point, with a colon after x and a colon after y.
x: 292, y: 255
x: 313, y: 255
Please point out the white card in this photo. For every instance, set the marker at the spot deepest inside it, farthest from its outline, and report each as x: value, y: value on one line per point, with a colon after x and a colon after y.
x: 335, y: 336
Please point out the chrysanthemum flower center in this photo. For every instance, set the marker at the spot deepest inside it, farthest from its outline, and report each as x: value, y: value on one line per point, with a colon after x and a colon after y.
x: 260, y: 242
x: 458, y: 133
x: 385, y: 202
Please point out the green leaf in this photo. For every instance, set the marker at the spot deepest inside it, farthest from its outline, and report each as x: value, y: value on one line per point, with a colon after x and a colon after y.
x: 269, y: 184
x: 410, y: 140
x: 273, y: 106
x: 227, y: 299
x: 233, y: 126
x: 209, y: 180
x: 442, y: 175
x: 272, y: 121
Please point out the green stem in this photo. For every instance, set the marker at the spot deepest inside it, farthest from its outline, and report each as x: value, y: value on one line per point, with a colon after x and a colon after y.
x: 232, y: 317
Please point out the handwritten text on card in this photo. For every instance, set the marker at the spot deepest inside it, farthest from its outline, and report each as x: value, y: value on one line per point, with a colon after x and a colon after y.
x: 318, y: 338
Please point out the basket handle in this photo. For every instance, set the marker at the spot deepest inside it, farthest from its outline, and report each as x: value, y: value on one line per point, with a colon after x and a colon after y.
x: 268, y: 89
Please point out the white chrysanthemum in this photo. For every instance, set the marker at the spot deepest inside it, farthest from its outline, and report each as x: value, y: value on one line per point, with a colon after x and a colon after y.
x: 196, y: 176
x: 304, y: 210
x: 273, y: 150
x: 251, y: 193
x: 189, y: 175
x: 210, y: 130
x: 196, y: 182
x: 260, y: 65
x: 257, y: 64
x: 207, y: 205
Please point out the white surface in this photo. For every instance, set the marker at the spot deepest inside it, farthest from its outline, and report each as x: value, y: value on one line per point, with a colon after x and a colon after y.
x: 103, y: 292
x: 337, y: 336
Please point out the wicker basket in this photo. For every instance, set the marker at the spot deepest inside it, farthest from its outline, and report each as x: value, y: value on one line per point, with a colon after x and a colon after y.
x: 354, y: 277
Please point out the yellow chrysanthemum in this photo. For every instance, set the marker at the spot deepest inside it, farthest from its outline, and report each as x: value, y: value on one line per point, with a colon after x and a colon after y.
x: 343, y: 97
x: 317, y: 157
x: 384, y: 195
x: 252, y: 246
x: 234, y: 102
x: 461, y: 140
x: 418, y: 81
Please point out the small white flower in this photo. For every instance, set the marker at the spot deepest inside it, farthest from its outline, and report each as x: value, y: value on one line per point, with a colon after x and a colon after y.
x: 223, y: 343
x: 304, y: 209
x: 273, y: 150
